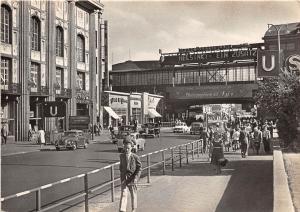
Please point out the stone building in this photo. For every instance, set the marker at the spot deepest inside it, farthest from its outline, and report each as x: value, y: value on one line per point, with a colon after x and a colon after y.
x: 50, y: 51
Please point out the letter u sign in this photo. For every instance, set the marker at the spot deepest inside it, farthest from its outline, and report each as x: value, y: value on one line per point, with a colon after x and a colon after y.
x: 272, y: 63
x: 53, y: 113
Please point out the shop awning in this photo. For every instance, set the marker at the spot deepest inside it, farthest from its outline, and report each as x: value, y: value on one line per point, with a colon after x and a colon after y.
x: 111, y: 112
x: 153, y: 113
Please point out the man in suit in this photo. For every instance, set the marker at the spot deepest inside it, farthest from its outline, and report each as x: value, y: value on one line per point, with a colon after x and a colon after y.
x: 130, y: 169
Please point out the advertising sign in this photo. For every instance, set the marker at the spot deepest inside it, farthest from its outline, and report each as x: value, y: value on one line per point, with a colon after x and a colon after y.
x: 79, y: 122
x: 267, y: 63
x: 203, y: 57
x: 212, y: 92
x: 118, y: 101
x: 54, y: 109
x: 153, y: 102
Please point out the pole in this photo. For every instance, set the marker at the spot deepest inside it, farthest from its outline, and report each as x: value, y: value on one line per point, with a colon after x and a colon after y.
x: 112, y: 171
x: 86, y: 190
x: 148, y: 164
x: 164, y: 162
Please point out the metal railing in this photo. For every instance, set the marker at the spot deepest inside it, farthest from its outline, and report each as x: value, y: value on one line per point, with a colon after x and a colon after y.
x: 170, y: 155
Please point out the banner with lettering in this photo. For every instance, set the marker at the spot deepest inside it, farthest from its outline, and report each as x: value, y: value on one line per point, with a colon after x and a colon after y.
x: 153, y: 102
x: 118, y: 101
x: 267, y: 63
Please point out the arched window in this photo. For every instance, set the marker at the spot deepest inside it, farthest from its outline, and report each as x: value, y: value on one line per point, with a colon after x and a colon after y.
x: 35, y: 33
x: 59, y: 41
x: 5, y: 24
x: 80, y: 48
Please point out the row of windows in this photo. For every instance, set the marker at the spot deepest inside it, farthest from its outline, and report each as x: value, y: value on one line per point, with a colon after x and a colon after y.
x: 35, y: 75
x: 6, y: 33
x: 233, y: 74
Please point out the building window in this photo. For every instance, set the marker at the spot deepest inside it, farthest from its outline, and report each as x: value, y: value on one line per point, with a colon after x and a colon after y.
x: 59, y: 41
x: 80, y: 80
x: 34, y: 75
x: 59, y: 79
x: 5, y: 24
x: 36, y: 33
x: 80, y: 48
x: 5, y: 71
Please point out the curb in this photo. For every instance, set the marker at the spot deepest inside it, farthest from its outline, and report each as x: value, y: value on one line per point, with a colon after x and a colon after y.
x: 282, y: 195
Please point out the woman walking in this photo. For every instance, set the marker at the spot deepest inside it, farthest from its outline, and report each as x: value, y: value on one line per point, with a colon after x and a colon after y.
x: 266, y: 136
x: 217, y: 151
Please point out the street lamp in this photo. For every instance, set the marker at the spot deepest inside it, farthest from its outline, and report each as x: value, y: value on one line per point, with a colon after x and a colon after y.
x: 278, y: 28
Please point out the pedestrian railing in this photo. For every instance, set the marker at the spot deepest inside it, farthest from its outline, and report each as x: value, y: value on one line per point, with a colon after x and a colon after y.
x: 169, y: 156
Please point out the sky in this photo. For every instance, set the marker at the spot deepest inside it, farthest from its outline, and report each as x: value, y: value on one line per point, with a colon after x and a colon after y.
x: 137, y: 30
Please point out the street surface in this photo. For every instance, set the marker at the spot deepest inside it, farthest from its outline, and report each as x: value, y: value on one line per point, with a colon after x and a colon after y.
x: 27, y: 171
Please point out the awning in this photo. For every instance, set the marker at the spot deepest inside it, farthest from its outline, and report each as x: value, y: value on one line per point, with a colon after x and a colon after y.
x: 111, y: 112
x: 153, y: 113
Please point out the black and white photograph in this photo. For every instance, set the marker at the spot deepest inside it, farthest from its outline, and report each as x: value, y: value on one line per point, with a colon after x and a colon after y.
x: 142, y: 106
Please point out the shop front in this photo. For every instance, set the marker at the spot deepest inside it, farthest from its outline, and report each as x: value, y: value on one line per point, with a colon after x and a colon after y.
x: 150, y: 102
x: 115, y: 111
x: 135, y: 108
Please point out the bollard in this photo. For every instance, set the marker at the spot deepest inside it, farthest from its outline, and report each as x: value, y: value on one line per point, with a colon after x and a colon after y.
x: 187, y: 154
x: 192, y: 150
x: 38, y: 200
x: 148, y: 164
x: 180, y: 157
x: 198, y: 149
x: 164, y: 162
x: 86, y: 190
x: 172, y: 155
x: 112, y: 174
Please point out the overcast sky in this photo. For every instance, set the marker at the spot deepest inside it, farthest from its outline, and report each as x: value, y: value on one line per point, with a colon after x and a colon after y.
x: 137, y: 30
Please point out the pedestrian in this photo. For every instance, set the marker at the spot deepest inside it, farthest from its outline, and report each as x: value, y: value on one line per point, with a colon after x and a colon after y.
x: 266, y: 139
x: 41, y: 138
x: 204, y: 137
x: 257, y: 139
x: 243, y: 140
x: 130, y: 171
x: 4, y: 134
x: 217, y: 151
x: 235, y: 138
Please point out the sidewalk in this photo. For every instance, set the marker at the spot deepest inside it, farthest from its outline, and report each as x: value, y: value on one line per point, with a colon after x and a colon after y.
x: 244, y: 185
x: 22, y: 147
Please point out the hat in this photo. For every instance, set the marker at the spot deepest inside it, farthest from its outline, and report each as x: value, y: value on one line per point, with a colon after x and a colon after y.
x: 127, y: 140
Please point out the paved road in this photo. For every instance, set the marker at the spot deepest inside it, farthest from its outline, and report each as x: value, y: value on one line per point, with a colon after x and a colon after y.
x: 26, y: 171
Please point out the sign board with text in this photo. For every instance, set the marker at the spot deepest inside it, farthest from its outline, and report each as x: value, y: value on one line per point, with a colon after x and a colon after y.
x: 79, y: 122
x: 267, y: 63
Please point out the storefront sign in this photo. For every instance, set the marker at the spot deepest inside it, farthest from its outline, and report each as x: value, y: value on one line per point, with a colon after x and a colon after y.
x: 212, y: 92
x: 54, y: 109
x: 153, y: 102
x: 228, y: 56
x: 267, y: 63
x: 292, y: 63
x: 116, y: 101
x: 79, y: 122
x: 135, y: 104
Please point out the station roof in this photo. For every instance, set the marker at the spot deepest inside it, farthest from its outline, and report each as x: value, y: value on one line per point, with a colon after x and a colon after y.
x: 285, y: 29
x: 136, y: 65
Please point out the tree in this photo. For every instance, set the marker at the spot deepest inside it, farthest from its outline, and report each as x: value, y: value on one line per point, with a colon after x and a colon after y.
x: 281, y: 96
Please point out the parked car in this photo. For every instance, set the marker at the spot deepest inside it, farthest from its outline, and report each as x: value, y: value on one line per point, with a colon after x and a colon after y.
x: 122, y: 132
x: 195, y: 128
x: 150, y: 129
x: 181, y: 128
x: 72, y: 139
x: 139, y: 142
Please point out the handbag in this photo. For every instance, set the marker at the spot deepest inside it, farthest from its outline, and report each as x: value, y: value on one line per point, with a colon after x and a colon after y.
x: 222, y: 161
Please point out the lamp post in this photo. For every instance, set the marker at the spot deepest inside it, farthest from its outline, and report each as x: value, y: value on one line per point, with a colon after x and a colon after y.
x: 278, y: 28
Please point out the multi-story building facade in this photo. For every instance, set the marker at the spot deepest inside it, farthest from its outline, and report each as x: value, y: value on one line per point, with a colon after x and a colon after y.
x: 50, y: 51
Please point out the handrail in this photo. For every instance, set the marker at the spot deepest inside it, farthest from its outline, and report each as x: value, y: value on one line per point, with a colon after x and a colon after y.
x: 181, y: 153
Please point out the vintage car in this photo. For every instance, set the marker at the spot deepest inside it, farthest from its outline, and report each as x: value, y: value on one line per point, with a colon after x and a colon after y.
x: 181, y: 128
x: 122, y: 132
x: 195, y: 128
x: 139, y: 142
x: 72, y: 139
x: 150, y: 130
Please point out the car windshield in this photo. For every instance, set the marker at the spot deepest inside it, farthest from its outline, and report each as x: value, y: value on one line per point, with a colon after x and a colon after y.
x: 70, y: 133
x: 126, y: 128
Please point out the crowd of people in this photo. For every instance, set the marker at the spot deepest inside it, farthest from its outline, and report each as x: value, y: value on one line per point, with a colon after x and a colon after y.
x: 245, y: 136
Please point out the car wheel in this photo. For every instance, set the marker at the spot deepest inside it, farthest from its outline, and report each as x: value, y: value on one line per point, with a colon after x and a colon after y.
x: 119, y: 149
x: 57, y: 148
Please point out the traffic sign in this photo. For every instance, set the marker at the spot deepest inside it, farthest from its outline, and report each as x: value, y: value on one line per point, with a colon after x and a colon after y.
x: 54, y: 109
